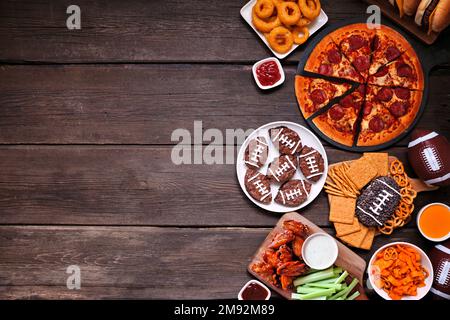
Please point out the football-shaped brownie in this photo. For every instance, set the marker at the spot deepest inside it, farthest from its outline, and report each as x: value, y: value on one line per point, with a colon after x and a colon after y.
x: 311, y: 163
x: 258, y: 186
x: 283, y: 168
x: 286, y: 140
x: 256, y: 153
x: 293, y: 193
x: 428, y: 154
x: 378, y: 201
x: 440, y: 259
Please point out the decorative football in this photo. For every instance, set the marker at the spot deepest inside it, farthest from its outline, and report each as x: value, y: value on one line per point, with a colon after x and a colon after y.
x: 258, y: 186
x: 293, y: 193
x: 378, y: 201
x: 282, y: 169
x: 428, y: 154
x: 440, y: 259
x: 256, y: 153
x: 311, y: 163
x: 286, y: 140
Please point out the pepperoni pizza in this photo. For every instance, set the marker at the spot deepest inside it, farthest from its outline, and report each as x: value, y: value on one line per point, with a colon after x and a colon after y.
x: 380, y: 91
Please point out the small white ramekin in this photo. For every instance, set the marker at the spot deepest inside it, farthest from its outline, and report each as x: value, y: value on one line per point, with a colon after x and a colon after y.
x: 276, y: 84
x: 418, y: 225
x: 258, y: 283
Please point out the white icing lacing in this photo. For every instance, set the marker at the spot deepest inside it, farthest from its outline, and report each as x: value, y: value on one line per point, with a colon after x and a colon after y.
x: 312, y: 164
x: 292, y: 194
x: 381, y: 198
x: 375, y: 219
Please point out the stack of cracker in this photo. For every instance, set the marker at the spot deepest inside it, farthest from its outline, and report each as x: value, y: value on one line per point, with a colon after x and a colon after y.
x: 344, y: 183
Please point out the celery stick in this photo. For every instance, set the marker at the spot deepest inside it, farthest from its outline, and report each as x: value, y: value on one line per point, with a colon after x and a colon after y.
x: 350, y: 287
x: 346, y: 291
x: 320, y: 298
x: 314, y: 277
x: 325, y: 285
x: 337, y: 270
x: 295, y: 296
x: 303, y: 289
x: 354, y: 295
x: 308, y: 296
x: 327, y: 281
x: 342, y: 277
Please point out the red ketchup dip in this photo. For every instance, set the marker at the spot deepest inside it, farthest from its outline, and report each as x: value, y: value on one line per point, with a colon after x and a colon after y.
x: 254, y: 292
x: 268, y: 73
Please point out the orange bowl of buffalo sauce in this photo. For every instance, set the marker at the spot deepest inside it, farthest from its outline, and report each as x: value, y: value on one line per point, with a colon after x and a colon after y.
x: 433, y: 221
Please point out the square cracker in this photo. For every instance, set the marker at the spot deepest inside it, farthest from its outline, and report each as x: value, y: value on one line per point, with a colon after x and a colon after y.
x: 355, y: 239
x: 379, y: 160
x: 342, y: 209
x: 361, y: 171
x: 368, y: 239
x: 343, y: 229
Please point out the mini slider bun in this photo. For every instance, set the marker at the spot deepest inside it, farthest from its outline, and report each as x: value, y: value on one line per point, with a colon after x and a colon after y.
x: 410, y: 6
x: 433, y: 15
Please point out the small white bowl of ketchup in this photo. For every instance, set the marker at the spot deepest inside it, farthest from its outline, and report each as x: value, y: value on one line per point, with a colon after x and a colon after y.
x: 433, y: 221
x: 268, y: 73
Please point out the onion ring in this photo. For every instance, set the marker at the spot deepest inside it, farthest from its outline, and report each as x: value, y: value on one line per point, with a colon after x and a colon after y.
x: 264, y: 8
x: 297, y: 38
x: 281, y: 39
x: 289, y: 13
x: 302, y: 22
x: 309, y: 8
x: 265, y: 25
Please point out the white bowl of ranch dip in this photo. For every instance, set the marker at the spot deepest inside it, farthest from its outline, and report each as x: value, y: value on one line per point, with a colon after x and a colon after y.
x: 320, y: 251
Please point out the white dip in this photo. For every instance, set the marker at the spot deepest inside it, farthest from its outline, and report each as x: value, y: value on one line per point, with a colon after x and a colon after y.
x: 320, y: 251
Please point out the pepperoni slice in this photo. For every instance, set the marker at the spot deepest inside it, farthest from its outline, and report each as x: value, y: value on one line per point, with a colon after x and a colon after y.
x: 347, y: 101
x: 398, y: 109
x: 362, y: 63
x: 381, y: 72
x: 355, y: 42
x: 385, y: 94
x: 392, y: 53
x: 367, y: 109
x: 376, y: 124
x: 404, y: 71
x: 375, y: 43
x: 318, y: 96
x: 336, y: 112
x: 334, y: 56
x: 325, y: 69
x: 361, y: 89
x: 402, y: 93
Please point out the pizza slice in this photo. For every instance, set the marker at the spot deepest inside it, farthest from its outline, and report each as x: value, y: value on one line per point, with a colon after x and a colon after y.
x: 405, y: 71
x: 326, y: 59
x: 339, y: 122
x: 355, y: 42
x: 387, y: 46
x: 378, y: 124
x: 402, y: 103
x: 315, y: 93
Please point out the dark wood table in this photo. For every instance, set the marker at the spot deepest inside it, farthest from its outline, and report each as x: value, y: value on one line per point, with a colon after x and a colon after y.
x: 86, y: 118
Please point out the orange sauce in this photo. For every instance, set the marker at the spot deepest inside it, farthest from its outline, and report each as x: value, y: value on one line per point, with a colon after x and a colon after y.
x: 435, y: 221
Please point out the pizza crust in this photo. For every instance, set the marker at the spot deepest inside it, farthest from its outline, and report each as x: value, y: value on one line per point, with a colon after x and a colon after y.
x: 328, y: 130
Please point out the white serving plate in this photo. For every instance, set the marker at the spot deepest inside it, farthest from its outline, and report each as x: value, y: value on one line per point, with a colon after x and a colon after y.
x: 308, y: 138
x: 425, y: 261
x: 319, y: 22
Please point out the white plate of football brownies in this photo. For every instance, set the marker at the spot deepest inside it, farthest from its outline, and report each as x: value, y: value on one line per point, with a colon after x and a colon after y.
x: 282, y: 166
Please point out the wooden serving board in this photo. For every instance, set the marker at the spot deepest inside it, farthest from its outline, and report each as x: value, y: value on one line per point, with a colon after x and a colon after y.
x: 417, y: 184
x: 406, y: 22
x: 347, y: 259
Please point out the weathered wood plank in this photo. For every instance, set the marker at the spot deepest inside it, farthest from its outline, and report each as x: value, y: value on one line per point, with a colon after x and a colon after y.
x: 130, y: 262
x: 135, y: 186
x: 144, y: 104
x: 138, y: 30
